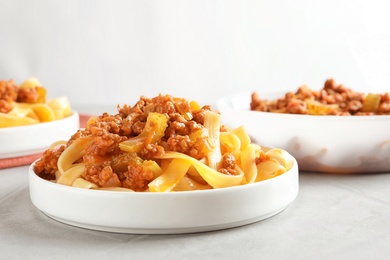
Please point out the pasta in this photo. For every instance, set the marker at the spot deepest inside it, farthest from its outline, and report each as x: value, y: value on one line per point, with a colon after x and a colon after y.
x: 26, y: 104
x: 161, y: 144
x: 332, y: 99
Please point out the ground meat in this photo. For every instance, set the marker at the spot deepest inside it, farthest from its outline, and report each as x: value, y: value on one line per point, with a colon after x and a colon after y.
x: 384, y: 106
x: 102, y: 175
x: 181, y: 127
x: 305, y: 93
x: 354, y: 106
x: 5, y: 106
x: 198, y: 115
x: 46, y: 166
x: 105, y: 144
x: 262, y: 157
x: 151, y: 151
x: 182, y: 144
x: 131, y: 171
x: 258, y: 104
x: 28, y: 95
x: 136, y: 178
x: 338, y: 99
x: 138, y: 124
x: 8, y: 95
x: 296, y: 106
x: 228, y: 164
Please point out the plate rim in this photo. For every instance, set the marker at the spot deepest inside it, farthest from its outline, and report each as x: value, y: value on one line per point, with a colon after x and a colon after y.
x: 290, y: 178
x: 7, y: 132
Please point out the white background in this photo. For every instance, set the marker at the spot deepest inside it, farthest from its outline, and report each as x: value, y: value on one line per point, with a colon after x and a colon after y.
x: 112, y: 52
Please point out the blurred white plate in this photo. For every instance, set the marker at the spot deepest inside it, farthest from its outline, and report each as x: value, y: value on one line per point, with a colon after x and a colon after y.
x: 336, y: 144
x: 164, y: 213
x: 31, y: 139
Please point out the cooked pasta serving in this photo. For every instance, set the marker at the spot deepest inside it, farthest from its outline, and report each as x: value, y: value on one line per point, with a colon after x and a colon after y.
x: 332, y: 99
x: 26, y: 104
x: 160, y: 144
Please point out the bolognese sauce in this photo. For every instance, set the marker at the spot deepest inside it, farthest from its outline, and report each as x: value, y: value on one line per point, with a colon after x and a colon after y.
x: 332, y: 99
x: 108, y: 166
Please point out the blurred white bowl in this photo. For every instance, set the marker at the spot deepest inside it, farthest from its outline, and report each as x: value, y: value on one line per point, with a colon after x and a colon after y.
x: 31, y: 139
x: 335, y: 144
x: 164, y: 213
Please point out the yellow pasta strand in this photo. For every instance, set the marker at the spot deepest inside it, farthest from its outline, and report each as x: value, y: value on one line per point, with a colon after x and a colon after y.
x: 70, y: 175
x: 241, y: 133
x: 282, y: 156
x: 82, y: 183
x: 212, y: 124
x: 194, y: 174
x: 116, y: 189
x: 171, y: 176
x: 248, y: 162
x: 8, y: 120
x: 60, y: 106
x: 43, y: 112
x: 20, y: 110
x: 186, y: 184
x: 211, y: 176
x: 269, y: 169
x: 230, y: 143
x: 40, y: 111
x: 72, y: 153
x: 154, y: 167
x: 153, y: 131
x: 27, y: 114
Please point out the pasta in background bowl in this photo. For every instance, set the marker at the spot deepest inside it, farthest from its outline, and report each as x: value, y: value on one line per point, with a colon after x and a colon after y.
x: 26, y: 104
x: 29, y: 122
x: 320, y: 143
x: 32, y: 139
x: 166, y: 157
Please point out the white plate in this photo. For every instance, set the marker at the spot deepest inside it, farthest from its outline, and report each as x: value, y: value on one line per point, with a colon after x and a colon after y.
x: 164, y: 213
x: 31, y: 139
x: 336, y: 144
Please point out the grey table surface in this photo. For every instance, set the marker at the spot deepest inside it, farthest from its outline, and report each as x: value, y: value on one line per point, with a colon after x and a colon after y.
x: 333, y: 217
